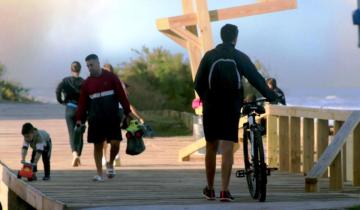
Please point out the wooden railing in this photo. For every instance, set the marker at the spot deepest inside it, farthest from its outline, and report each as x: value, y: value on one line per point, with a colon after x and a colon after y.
x: 298, y: 142
x: 10, y: 183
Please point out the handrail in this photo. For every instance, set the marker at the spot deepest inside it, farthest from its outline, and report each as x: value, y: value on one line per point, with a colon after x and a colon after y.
x: 331, y: 152
x: 307, y: 112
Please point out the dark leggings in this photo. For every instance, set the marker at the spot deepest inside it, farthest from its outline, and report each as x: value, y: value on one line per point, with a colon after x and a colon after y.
x: 45, y: 158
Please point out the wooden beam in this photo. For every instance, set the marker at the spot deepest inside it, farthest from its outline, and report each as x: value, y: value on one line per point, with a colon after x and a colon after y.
x: 193, y: 50
x: 203, y: 22
x: 176, y: 21
x: 316, y: 113
x: 334, y: 148
x: 252, y: 9
x: 184, y: 154
x: 284, y: 144
x: 176, y: 38
x: 295, y: 150
x: 195, y: 58
x: 336, y: 174
x: 356, y: 156
x: 272, y: 141
x: 308, y: 144
x: 187, y: 35
x: 322, y: 139
x: 337, y: 167
x: 4, y: 191
x: 226, y: 13
x: 337, y: 126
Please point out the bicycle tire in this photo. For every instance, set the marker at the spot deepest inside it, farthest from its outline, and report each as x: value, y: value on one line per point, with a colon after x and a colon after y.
x: 261, y: 175
x: 250, y: 163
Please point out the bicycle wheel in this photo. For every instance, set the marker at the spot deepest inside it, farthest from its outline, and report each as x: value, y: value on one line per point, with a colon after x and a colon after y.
x: 261, y: 175
x: 250, y: 163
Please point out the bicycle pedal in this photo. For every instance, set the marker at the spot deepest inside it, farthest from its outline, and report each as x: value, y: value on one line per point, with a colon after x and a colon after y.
x: 240, y: 173
x: 268, y: 170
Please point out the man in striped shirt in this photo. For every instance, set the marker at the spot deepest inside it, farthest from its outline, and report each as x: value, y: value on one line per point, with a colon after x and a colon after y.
x: 100, y: 96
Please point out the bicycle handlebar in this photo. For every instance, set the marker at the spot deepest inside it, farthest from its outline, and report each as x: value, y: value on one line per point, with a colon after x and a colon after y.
x: 262, y: 99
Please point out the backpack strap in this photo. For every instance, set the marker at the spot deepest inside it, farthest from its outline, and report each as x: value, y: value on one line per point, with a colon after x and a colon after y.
x: 221, y: 58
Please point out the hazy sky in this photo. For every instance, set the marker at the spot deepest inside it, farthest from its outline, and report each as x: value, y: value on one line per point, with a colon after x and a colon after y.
x: 314, y: 45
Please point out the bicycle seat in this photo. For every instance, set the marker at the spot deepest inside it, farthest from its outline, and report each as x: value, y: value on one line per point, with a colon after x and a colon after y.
x: 247, y: 109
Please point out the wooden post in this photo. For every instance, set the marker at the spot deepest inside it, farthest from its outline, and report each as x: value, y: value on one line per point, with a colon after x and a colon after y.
x: 284, y: 143
x: 272, y: 141
x: 204, y: 25
x: 337, y: 126
x: 295, y: 152
x: 336, y: 173
x: 337, y: 169
x: 4, y: 190
x: 356, y: 156
x: 322, y: 138
x: 308, y: 145
x: 193, y: 50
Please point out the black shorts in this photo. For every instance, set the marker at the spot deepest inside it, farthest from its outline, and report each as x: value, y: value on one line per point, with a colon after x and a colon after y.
x: 99, y: 131
x: 221, y: 125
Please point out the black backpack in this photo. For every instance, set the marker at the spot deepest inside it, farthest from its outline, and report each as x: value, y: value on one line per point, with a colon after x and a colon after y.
x: 224, y: 75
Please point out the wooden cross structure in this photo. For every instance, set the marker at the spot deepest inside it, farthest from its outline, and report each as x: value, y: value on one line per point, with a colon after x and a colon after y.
x: 192, y: 30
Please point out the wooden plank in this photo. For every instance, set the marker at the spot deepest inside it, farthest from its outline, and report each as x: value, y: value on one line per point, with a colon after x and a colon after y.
x: 193, y: 50
x: 203, y: 22
x: 295, y: 150
x: 306, y: 112
x: 272, y: 141
x: 226, y: 13
x: 337, y: 126
x: 284, y: 144
x: 4, y: 191
x: 322, y: 138
x: 308, y: 145
x: 187, y: 35
x: 252, y: 9
x: 184, y: 153
x: 176, y: 38
x: 194, y: 57
x: 335, y: 146
x: 356, y: 156
x: 337, y: 167
x: 336, y: 173
x: 176, y: 21
x: 28, y: 193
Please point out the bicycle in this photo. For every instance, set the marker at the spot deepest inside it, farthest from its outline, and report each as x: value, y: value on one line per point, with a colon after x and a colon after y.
x: 256, y: 170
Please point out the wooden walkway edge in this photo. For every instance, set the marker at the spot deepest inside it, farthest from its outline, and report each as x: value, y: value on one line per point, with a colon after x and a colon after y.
x: 25, y: 191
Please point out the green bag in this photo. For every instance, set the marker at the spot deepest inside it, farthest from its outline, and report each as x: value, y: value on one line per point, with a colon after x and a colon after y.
x: 134, y: 136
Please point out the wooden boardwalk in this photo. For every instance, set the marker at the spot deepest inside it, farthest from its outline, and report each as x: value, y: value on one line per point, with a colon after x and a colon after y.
x: 152, y: 178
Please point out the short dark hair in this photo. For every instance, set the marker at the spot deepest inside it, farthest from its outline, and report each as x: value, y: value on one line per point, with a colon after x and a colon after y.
x: 91, y: 57
x: 229, y: 33
x: 27, y: 128
x: 272, y: 82
x: 76, y: 68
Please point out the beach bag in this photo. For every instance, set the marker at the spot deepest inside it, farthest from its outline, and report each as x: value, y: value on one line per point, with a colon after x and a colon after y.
x: 134, y: 135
